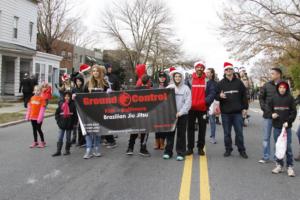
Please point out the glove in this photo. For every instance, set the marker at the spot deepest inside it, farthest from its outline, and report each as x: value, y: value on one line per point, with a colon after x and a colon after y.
x: 285, y: 125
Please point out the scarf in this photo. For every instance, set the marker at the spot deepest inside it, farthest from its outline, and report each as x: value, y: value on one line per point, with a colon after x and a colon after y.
x: 66, y: 109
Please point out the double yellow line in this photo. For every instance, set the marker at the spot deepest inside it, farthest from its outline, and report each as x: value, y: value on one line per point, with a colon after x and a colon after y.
x: 185, y: 188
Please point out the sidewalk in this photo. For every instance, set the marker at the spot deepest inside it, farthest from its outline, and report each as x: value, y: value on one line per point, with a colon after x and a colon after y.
x: 14, y: 113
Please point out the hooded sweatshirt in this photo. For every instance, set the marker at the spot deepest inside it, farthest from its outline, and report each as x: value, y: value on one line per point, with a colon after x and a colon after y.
x: 183, y: 95
x: 284, y: 106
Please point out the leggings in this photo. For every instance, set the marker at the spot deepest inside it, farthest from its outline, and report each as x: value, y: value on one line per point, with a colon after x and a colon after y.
x: 37, y: 128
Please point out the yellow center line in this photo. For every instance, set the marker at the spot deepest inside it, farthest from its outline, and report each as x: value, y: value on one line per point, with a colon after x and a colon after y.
x: 185, y: 188
x: 204, y: 179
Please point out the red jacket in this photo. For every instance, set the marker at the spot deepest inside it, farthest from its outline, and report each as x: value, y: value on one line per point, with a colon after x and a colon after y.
x: 198, y: 92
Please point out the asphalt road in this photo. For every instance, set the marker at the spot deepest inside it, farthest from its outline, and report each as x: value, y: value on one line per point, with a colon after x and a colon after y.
x: 33, y: 174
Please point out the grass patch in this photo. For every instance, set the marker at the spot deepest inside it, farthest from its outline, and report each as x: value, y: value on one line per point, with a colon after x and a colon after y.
x: 10, y: 117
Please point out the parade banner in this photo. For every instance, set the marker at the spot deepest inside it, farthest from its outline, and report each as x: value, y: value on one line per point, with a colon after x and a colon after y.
x: 132, y: 111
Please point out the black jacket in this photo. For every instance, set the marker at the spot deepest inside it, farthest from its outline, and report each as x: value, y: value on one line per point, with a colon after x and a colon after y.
x: 114, y: 81
x: 68, y: 122
x: 236, y: 96
x: 267, y: 92
x: 26, y: 85
x: 285, y: 107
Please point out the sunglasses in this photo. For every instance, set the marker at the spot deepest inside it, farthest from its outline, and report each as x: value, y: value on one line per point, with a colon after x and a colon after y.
x: 228, y: 69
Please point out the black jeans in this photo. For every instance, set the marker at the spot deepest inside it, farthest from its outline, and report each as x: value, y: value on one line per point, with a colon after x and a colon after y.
x: 144, y: 138
x: 37, y: 128
x: 160, y: 135
x: 26, y: 98
x: 201, y: 130
x: 180, y: 140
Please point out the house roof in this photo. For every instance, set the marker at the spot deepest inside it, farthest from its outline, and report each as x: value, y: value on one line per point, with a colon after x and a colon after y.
x: 14, y: 48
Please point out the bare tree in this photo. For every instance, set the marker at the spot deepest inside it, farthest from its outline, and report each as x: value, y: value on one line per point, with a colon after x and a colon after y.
x: 268, y: 27
x: 53, y: 23
x: 136, y: 26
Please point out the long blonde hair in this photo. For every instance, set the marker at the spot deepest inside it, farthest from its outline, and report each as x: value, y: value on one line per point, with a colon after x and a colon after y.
x: 101, y: 82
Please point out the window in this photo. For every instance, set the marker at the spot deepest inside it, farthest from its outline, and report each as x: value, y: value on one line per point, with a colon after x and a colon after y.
x: 15, y: 30
x: 43, y: 78
x: 37, y: 71
x: 80, y: 59
x: 63, y: 53
x: 50, y: 71
x: 30, y: 30
x: 69, y: 55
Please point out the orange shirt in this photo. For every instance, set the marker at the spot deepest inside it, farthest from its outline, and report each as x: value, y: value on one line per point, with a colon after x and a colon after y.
x: 36, y: 103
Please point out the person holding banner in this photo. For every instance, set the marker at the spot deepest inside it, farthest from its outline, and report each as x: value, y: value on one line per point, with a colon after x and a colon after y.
x: 282, y: 108
x: 161, y: 136
x: 97, y: 83
x: 144, y: 136
x: 183, y: 104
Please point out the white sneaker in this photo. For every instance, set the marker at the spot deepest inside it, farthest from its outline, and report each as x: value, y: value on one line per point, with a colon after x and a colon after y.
x: 96, y: 152
x: 263, y: 161
x: 87, y: 154
x: 278, y: 169
x: 213, y: 141
x: 291, y: 172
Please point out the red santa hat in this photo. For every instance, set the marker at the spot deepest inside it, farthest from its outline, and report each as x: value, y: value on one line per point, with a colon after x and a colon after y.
x: 65, y: 77
x: 84, y: 68
x: 228, y: 65
x: 172, y: 69
x: 199, y: 64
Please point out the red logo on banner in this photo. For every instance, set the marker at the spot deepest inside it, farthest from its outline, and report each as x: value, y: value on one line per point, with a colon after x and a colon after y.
x: 124, y: 99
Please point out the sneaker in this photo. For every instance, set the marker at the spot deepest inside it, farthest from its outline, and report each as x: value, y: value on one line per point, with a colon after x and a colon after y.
x: 278, y: 169
x: 111, y: 145
x: 87, y: 154
x: 129, y: 152
x: 201, y: 152
x: 96, y: 152
x: 42, y: 145
x: 291, y: 172
x: 144, y: 152
x: 263, y: 161
x: 34, y: 144
x: 244, y: 155
x: 227, y: 153
x: 166, y: 157
x: 213, y: 141
x: 189, y: 152
x: 179, y: 158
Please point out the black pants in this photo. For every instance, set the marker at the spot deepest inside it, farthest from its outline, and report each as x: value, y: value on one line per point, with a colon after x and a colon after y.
x: 26, y: 98
x: 37, y: 128
x: 144, y: 138
x: 201, y: 130
x: 160, y: 135
x: 110, y: 138
x: 180, y: 140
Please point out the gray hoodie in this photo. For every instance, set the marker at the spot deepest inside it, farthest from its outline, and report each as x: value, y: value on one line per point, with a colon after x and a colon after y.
x: 183, y: 95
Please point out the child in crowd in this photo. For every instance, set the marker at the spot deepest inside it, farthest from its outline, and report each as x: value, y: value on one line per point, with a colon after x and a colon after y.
x: 35, y: 113
x: 284, y: 112
x: 144, y: 136
x: 66, y: 118
x: 183, y: 104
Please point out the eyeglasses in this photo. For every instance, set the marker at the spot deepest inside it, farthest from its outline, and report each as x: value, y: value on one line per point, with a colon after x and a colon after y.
x: 228, y: 69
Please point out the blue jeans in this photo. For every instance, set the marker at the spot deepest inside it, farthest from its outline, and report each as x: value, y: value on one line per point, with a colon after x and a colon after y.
x: 61, y: 134
x: 92, y: 140
x: 235, y: 120
x: 267, y: 127
x: 289, y: 153
x: 212, y: 122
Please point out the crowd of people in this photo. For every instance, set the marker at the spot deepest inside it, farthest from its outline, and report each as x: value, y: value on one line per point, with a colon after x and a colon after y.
x: 200, y: 99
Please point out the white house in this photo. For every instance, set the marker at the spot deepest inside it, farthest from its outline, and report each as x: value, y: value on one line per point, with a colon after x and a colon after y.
x: 18, y: 34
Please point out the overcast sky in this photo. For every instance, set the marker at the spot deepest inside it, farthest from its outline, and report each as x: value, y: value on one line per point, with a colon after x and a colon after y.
x: 195, y: 24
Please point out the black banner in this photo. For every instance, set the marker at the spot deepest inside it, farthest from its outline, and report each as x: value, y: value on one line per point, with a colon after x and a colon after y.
x: 133, y: 111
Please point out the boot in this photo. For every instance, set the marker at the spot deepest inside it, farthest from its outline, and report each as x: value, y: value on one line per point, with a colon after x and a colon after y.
x: 157, y: 144
x: 161, y: 144
x: 298, y: 157
x: 58, y: 151
x: 67, y: 148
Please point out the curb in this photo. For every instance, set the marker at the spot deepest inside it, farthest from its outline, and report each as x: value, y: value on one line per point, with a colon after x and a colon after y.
x: 20, y: 121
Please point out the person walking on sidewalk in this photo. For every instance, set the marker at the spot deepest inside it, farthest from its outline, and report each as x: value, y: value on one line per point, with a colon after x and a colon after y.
x: 26, y: 87
x: 143, y: 136
x: 203, y: 94
x: 66, y: 118
x: 35, y: 113
x: 282, y: 108
x: 267, y: 93
x: 232, y: 94
x: 183, y: 104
